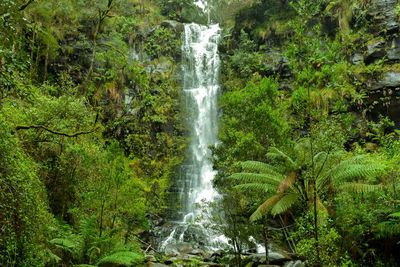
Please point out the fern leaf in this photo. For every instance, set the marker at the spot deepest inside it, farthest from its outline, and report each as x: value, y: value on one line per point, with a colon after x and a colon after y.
x: 284, y: 203
x: 257, y: 187
x: 359, y: 188
x: 261, y: 167
x: 244, y: 177
x: 64, y: 243
x: 265, y: 207
x: 352, y: 172
x: 287, y: 182
x: 277, y: 154
x: 396, y: 215
x: 388, y: 228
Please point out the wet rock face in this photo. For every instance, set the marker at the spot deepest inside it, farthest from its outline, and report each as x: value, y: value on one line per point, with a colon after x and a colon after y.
x: 375, y: 51
x: 383, y: 15
x: 393, y: 53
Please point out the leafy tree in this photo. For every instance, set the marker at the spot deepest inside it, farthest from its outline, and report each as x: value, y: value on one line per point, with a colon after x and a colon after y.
x: 305, y: 178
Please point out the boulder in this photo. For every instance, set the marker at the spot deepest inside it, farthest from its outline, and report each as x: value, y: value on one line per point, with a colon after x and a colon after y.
x: 277, y: 258
x: 390, y: 79
x: 383, y: 16
x: 297, y: 263
x: 177, y: 249
x: 150, y: 258
x: 172, y: 24
x: 193, y: 14
x: 375, y: 51
x: 274, y: 258
x: 357, y: 58
x: 394, y: 49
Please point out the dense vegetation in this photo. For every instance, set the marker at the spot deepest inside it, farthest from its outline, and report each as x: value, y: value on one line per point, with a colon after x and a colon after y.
x: 300, y: 146
x: 91, y: 130
x: 90, y: 137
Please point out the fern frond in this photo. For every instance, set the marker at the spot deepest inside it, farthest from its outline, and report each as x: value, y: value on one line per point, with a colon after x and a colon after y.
x: 359, y: 187
x: 287, y: 182
x: 388, y: 228
x: 284, y: 203
x: 261, y: 167
x: 64, y: 243
x: 279, y: 155
x: 320, y: 157
x: 350, y: 172
x: 257, y: 187
x: 396, y: 215
x: 265, y: 207
x: 244, y: 177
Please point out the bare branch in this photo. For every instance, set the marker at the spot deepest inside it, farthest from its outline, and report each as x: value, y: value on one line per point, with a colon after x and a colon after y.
x: 27, y: 127
x: 26, y: 5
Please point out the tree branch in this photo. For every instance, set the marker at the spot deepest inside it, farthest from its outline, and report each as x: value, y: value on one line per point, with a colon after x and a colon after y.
x: 114, y: 48
x: 27, y: 127
x: 26, y: 5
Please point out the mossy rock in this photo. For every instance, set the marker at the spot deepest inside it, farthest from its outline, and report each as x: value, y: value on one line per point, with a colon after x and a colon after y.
x: 193, y: 14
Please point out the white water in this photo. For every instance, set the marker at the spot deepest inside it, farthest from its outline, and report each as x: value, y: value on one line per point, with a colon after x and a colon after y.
x: 201, y: 88
x: 201, y: 64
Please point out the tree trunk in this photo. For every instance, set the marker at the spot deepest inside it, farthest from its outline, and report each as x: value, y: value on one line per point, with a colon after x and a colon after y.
x: 46, y: 62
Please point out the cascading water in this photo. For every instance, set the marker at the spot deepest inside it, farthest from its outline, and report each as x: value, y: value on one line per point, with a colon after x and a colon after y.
x: 200, y: 90
x: 201, y: 65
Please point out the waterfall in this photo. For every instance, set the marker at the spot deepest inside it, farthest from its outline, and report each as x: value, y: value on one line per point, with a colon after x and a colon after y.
x: 200, y: 90
x: 200, y: 70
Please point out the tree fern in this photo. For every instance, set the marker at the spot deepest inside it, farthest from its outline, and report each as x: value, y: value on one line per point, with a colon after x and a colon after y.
x: 257, y: 187
x: 266, y: 207
x: 287, y: 182
x: 261, y: 167
x: 244, y: 177
x: 284, y: 203
x: 359, y: 187
x: 279, y: 155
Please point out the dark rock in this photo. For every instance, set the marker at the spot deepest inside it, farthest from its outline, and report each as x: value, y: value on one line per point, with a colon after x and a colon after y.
x: 212, y: 256
x: 375, y: 51
x: 198, y: 252
x: 394, y: 49
x: 276, y: 63
x: 390, y: 79
x: 383, y: 16
x: 172, y: 24
x: 171, y: 260
x: 277, y: 258
x: 193, y: 14
x: 274, y: 258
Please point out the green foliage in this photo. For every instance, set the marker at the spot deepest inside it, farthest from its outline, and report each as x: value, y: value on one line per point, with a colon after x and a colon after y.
x: 288, y: 180
x: 251, y: 122
x: 329, y: 243
x: 162, y: 42
x: 123, y: 258
x: 24, y: 216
